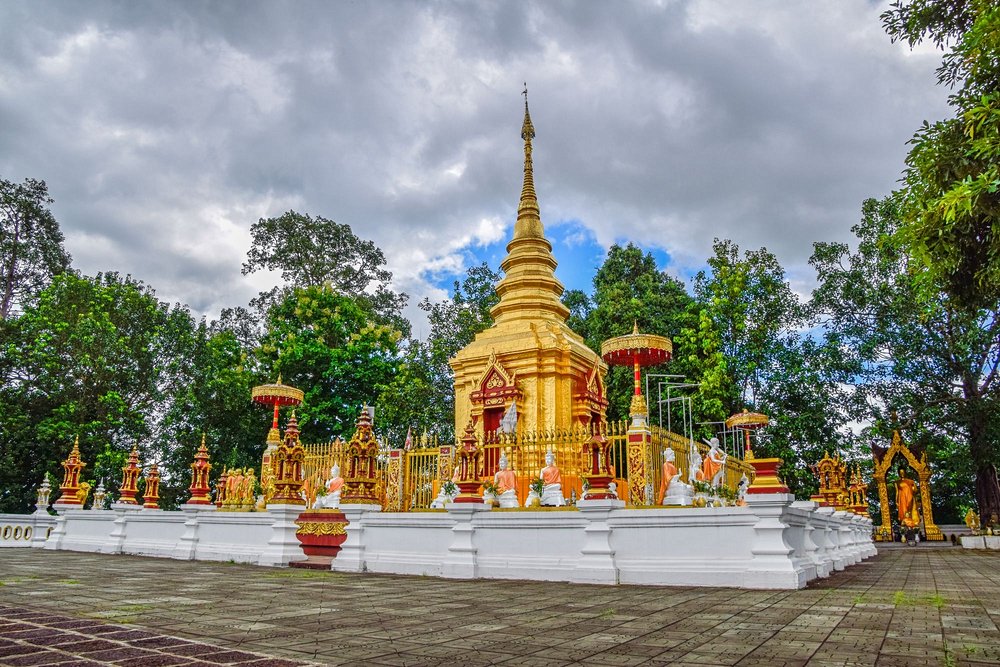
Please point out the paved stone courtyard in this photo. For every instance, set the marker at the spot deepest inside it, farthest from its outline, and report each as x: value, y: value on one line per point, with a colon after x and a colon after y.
x: 907, y: 606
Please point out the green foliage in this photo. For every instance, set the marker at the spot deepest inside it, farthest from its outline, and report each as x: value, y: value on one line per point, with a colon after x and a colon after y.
x: 336, y: 348
x: 317, y: 252
x: 950, y: 206
x: 31, y: 244
x: 924, y: 356
x: 630, y: 289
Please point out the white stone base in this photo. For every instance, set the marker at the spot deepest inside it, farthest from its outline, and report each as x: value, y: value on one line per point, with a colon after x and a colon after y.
x: 773, y: 542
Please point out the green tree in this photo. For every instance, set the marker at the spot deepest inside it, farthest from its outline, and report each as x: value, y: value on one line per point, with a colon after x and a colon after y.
x: 334, y: 347
x: 86, y: 358
x: 313, y: 252
x: 926, y: 356
x: 950, y: 205
x: 31, y: 244
x: 630, y: 290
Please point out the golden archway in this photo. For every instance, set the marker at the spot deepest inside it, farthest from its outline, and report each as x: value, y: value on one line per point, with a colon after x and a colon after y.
x: 923, y: 470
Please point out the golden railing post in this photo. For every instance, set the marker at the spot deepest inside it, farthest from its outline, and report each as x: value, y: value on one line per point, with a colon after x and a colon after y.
x: 394, y: 481
x: 638, y: 436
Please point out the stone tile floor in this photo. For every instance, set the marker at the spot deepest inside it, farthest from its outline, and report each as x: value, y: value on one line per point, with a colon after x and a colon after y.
x: 907, y: 606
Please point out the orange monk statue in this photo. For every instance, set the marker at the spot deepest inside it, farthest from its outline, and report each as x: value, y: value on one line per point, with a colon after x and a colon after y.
x: 905, y: 508
x: 506, y: 483
x: 552, y: 480
x: 711, y: 467
x: 668, y: 475
x: 331, y: 499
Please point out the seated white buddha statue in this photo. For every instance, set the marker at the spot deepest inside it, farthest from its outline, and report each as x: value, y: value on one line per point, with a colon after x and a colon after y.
x: 672, y: 490
x: 552, y: 480
x: 506, y: 482
x: 331, y: 499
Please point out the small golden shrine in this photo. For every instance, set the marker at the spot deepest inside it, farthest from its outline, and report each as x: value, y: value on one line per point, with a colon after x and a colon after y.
x: 151, y: 494
x: 857, y: 493
x: 130, y: 478
x: 832, y: 475
x: 529, y: 358
x: 905, y: 501
x: 71, y: 477
x: 200, y: 488
x: 289, y: 460
x: 361, y: 453
x: 469, y: 466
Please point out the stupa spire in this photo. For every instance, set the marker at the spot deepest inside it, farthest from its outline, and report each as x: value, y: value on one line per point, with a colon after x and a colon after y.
x: 528, y: 221
x: 529, y: 290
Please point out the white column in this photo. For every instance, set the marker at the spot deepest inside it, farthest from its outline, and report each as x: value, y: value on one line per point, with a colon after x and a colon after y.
x: 187, y: 545
x: 773, y: 563
x: 351, y: 557
x: 597, y: 558
x: 460, y: 563
x: 40, y: 529
x: 283, y: 547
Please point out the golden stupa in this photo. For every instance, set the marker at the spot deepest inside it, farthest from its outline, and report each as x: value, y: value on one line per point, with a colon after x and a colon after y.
x: 529, y: 357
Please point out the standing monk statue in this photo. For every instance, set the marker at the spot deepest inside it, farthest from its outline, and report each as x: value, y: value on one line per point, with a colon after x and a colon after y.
x: 905, y: 508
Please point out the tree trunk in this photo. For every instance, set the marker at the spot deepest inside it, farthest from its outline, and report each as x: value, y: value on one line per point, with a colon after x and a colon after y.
x: 987, y: 486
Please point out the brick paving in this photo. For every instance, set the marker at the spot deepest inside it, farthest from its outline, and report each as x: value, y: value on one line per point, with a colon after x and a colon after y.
x: 907, y: 606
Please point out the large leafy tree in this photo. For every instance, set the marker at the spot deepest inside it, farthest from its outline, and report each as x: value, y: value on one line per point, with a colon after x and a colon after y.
x: 925, y: 355
x: 753, y: 357
x: 317, y: 252
x: 336, y: 348
x: 86, y: 358
x: 629, y: 289
x: 31, y: 244
x: 949, y: 203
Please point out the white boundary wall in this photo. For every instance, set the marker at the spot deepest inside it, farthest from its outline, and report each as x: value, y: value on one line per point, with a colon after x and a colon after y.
x: 773, y: 542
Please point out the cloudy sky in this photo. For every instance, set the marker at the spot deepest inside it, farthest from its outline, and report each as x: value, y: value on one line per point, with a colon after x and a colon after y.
x: 165, y: 129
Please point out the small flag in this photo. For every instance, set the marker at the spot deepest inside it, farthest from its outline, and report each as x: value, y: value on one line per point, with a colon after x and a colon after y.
x: 408, y: 445
x: 509, y: 422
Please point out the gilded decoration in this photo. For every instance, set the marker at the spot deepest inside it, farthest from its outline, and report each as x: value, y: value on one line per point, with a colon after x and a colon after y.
x: 497, y: 386
x: 883, y: 463
x: 394, y: 481
x: 72, y: 467
x: 832, y: 475
x: 289, y: 463
x: 321, y: 528
x: 361, y: 480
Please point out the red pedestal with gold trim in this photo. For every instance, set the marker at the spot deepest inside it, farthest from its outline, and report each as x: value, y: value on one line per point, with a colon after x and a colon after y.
x: 321, y: 533
x: 766, y: 480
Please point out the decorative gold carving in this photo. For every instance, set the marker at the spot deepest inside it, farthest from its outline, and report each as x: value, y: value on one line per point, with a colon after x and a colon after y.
x: 321, y: 528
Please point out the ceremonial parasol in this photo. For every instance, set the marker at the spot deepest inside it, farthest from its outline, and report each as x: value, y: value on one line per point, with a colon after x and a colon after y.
x: 639, y: 350
x: 747, y: 421
x: 278, y: 395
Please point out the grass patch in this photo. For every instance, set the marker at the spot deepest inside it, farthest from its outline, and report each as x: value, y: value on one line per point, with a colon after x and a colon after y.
x: 607, y: 613
x: 859, y: 599
x: 69, y: 582
x: 937, y: 601
x: 899, y: 599
x: 297, y: 574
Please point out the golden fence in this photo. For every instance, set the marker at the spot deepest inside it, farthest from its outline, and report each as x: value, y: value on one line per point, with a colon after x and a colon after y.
x: 320, y: 457
x: 425, y: 468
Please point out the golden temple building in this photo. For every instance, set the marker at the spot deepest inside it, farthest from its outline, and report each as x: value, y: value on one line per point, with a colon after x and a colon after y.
x: 529, y: 357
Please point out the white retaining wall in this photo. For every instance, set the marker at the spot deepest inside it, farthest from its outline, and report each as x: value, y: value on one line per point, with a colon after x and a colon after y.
x: 25, y: 530
x: 773, y: 542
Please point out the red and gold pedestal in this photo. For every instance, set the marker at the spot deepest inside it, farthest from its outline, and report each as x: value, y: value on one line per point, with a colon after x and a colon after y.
x: 766, y: 479
x: 130, y: 479
x: 70, y: 486
x: 321, y: 532
x: 361, y: 481
x: 200, y: 490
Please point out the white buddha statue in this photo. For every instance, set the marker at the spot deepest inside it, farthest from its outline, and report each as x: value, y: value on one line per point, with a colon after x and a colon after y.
x: 443, y: 497
x: 741, y: 491
x: 694, y: 463
x: 506, y: 482
x: 672, y: 490
x: 552, y: 480
x: 331, y: 499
